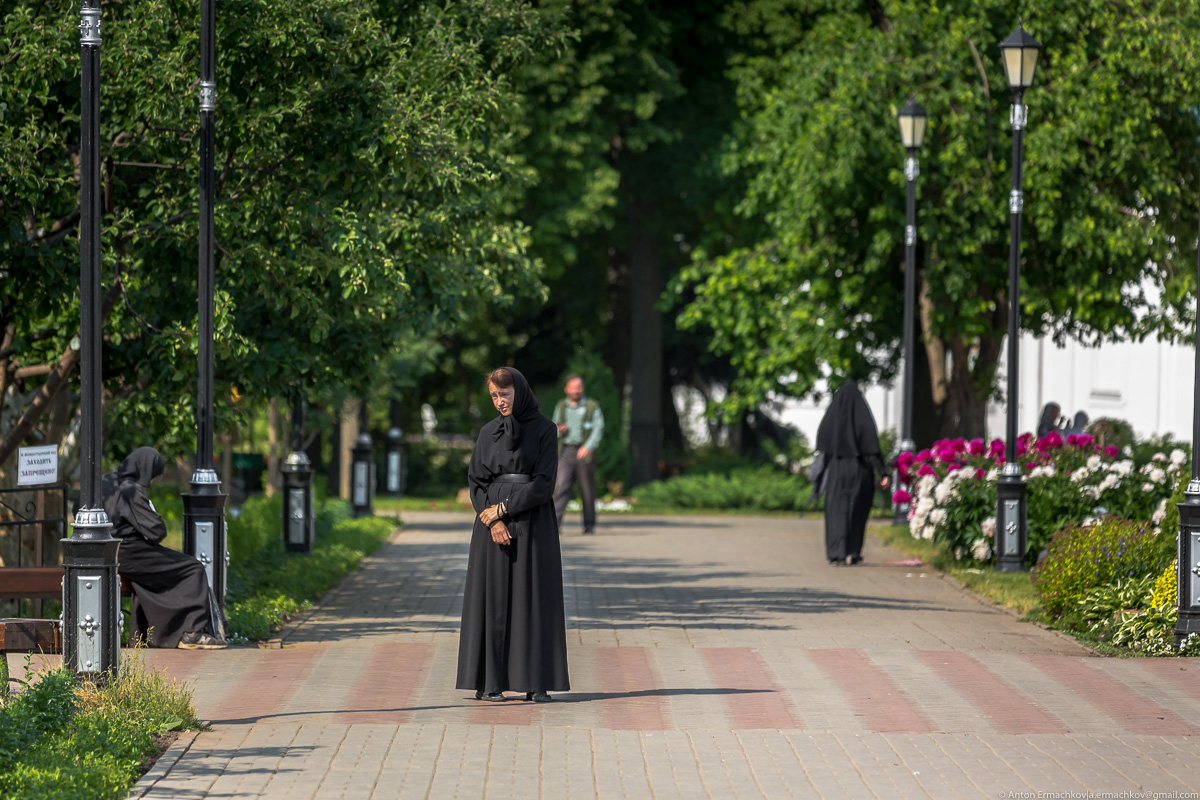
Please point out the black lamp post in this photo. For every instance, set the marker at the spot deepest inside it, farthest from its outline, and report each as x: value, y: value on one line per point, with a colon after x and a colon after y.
x: 91, y: 597
x: 204, y: 506
x: 297, y: 489
x: 362, y: 469
x: 913, y: 120
x: 1187, y: 569
x: 1020, y: 52
x: 394, y: 480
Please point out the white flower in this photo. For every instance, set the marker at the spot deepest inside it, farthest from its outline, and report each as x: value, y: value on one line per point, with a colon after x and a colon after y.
x: 1091, y: 491
x: 1159, y: 457
x: 1049, y: 471
x: 937, y: 517
x: 1093, y: 461
x: 1178, y: 457
x: 1124, y: 467
x: 989, y: 527
x: 1090, y: 521
x: 982, y: 550
x: 943, y: 492
x: 1147, y: 487
x: 1079, y: 474
x: 993, y: 475
x: 927, y: 532
x: 1157, y: 475
x: 1109, y: 482
x: 1159, y: 516
x: 958, y: 553
x: 926, y: 484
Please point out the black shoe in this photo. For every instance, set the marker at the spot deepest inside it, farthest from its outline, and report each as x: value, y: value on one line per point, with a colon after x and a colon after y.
x: 835, y: 562
x: 494, y: 697
x: 196, y: 640
x: 852, y: 560
x: 589, y: 530
x: 538, y: 697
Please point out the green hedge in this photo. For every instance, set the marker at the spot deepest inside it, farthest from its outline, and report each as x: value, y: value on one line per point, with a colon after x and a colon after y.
x: 267, y: 583
x: 763, y: 488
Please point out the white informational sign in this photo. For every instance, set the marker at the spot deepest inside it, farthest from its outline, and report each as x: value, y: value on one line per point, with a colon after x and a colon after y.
x: 37, y: 465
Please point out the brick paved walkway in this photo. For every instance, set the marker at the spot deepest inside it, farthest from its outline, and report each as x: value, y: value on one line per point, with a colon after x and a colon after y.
x: 710, y: 657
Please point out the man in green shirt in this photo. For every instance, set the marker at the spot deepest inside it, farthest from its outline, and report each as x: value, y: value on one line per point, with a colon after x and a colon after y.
x: 580, y: 428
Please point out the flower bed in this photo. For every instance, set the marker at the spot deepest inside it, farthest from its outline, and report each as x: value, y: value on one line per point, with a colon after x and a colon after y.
x: 952, y: 488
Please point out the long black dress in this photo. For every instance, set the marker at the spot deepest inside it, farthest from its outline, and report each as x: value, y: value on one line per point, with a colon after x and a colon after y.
x: 513, y: 635
x: 170, y: 589
x: 850, y: 441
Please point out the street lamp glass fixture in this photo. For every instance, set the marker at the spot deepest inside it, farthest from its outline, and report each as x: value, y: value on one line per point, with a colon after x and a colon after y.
x: 912, y: 124
x: 1020, y: 58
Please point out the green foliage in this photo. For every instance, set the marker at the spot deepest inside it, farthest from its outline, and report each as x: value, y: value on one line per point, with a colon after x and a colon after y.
x: 1168, y: 538
x: 812, y: 280
x: 363, y: 161
x: 760, y: 488
x: 62, y: 740
x: 1150, y: 631
x: 1110, y: 431
x: 267, y: 584
x: 1104, y: 602
x: 1081, y: 558
x: 435, y: 468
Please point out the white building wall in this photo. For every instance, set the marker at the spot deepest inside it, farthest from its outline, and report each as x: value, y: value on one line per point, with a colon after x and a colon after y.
x: 1148, y: 384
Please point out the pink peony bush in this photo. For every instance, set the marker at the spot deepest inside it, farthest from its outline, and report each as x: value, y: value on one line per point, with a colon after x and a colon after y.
x: 952, y: 489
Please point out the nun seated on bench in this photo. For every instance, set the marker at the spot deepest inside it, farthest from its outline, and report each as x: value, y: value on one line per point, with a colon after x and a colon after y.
x: 173, y: 605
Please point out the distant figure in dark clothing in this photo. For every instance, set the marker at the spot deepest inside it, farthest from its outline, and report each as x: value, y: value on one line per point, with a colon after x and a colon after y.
x: 514, y: 634
x: 1050, y: 419
x: 172, y: 603
x: 849, y: 442
x: 1079, y: 425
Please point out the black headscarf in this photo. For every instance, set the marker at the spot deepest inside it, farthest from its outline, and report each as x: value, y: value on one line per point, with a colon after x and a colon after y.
x: 848, y: 428
x: 125, y: 500
x: 141, y: 466
x: 524, y: 409
x: 1049, y: 420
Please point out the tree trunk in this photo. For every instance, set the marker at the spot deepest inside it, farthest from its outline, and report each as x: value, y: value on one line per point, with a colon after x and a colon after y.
x: 273, y: 460
x: 619, y: 318
x: 673, y: 441
x: 645, y: 364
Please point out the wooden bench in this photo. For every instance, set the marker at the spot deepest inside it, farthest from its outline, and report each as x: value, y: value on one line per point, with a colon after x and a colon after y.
x: 38, y: 583
x: 26, y: 636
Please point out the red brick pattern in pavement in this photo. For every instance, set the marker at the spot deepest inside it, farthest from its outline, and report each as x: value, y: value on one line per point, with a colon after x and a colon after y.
x: 388, y: 684
x: 874, y: 695
x: 267, y: 686
x: 629, y: 682
x: 763, y: 703
x: 1124, y: 706
x: 1011, y: 710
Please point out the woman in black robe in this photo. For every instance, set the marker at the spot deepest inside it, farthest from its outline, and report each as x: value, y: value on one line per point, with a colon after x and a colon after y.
x: 514, y: 635
x: 850, y: 443
x: 172, y: 604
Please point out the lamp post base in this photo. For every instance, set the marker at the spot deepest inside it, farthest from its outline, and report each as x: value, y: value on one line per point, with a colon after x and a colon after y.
x: 1188, y: 566
x: 204, y: 535
x: 1011, y: 525
x: 92, y: 618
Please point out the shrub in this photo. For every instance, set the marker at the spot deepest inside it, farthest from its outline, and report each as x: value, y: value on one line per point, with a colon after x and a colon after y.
x: 1151, y: 631
x: 1105, y: 602
x: 61, y: 739
x: 762, y: 488
x: 1081, y: 558
x: 1072, y: 480
x: 1166, y: 588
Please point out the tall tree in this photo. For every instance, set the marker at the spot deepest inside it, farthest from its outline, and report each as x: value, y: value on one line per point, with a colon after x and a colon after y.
x: 1110, y: 187
x: 362, y: 161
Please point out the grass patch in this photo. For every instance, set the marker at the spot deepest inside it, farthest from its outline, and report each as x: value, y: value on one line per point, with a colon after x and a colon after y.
x: 267, y: 584
x: 63, y: 739
x: 1013, y: 590
x: 449, y: 502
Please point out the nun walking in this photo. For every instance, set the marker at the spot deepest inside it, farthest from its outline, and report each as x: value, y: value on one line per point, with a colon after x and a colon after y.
x: 513, y: 635
x: 849, y: 443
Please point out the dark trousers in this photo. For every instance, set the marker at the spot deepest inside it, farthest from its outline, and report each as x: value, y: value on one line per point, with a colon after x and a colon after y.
x: 572, y: 470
